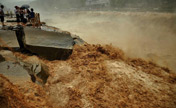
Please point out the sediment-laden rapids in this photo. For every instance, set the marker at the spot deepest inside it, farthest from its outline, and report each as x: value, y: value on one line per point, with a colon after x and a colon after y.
x: 93, y: 76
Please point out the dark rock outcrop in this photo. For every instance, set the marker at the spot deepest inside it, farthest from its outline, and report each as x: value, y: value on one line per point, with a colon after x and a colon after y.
x: 2, y: 59
x: 44, y: 43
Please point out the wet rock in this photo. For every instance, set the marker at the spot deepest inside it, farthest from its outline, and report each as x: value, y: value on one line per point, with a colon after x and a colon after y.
x: 36, y: 69
x: 2, y: 58
x: 17, y: 69
x: 14, y: 72
x: 50, y: 53
x: 43, y: 74
x: 77, y: 40
x: 12, y: 69
x: 7, y: 55
x: 8, y: 39
x: 49, y: 44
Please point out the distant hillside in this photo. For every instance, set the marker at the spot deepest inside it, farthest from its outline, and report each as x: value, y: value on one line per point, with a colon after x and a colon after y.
x: 57, y: 4
x: 166, y: 5
x: 160, y: 4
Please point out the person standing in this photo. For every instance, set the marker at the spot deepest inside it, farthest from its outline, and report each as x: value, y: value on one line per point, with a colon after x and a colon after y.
x: 23, y: 16
x: 2, y: 15
x: 28, y: 14
x: 32, y: 17
x: 17, y: 13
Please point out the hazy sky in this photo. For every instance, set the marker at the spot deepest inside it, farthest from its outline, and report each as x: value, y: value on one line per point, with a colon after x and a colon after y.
x: 15, y: 0
x: 11, y: 3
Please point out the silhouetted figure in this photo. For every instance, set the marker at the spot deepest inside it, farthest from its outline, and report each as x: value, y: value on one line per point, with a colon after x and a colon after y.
x: 2, y: 15
x: 32, y: 16
x: 23, y: 16
x: 28, y: 14
x: 17, y: 13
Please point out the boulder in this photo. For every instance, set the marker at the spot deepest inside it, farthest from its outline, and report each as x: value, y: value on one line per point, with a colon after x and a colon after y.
x: 12, y: 69
x: 49, y: 44
x: 14, y: 72
x: 19, y: 70
x: 2, y: 58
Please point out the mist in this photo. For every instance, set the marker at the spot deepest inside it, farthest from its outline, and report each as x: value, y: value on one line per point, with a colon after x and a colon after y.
x: 147, y: 35
x: 118, y: 5
x: 48, y: 71
x: 9, y: 4
x: 142, y: 29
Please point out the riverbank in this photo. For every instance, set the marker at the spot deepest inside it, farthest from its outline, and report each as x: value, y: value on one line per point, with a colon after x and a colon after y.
x: 93, y: 76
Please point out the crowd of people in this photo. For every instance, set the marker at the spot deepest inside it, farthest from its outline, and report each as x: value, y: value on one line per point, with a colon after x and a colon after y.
x: 23, y: 15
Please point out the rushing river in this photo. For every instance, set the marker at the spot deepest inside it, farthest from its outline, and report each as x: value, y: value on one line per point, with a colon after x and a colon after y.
x: 147, y: 35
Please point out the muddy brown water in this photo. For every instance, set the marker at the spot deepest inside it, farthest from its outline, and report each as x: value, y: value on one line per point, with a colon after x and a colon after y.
x: 147, y: 35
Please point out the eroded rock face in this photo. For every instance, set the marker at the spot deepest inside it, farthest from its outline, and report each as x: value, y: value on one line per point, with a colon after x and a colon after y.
x: 1, y: 58
x: 8, y: 39
x: 19, y: 70
x: 45, y: 43
x: 12, y: 69
x: 36, y: 69
x: 48, y: 44
x: 14, y: 72
x: 50, y: 53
